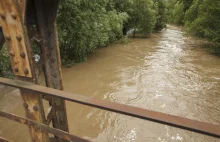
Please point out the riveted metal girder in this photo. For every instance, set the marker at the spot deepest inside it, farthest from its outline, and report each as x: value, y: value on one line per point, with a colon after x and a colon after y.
x: 46, y: 12
x: 11, y: 17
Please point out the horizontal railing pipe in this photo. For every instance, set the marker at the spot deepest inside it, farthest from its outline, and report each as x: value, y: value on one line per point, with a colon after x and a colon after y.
x: 158, y: 117
x: 42, y: 127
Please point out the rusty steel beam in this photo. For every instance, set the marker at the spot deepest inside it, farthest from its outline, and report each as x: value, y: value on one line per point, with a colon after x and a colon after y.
x: 162, y: 118
x: 12, y: 17
x: 15, y: 38
x: 46, y: 12
x: 34, y: 110
x: 42, y: 127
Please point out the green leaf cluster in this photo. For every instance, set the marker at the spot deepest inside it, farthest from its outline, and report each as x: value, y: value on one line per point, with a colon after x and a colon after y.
x: 161, y: 14
x: 144, y: 15
x: 200, y: 17
x: 5, y: 65
x: 86, y: 25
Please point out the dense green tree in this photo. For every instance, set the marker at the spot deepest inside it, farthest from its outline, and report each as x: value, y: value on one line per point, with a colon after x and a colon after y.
x: 192, y: 13
x: 186, y: 4
x: 207, y: 23
x: 142, y: 15
x: 85, y: 25
x: 201, y: 18
x: 170, y: 7
x: 178, y: 13
x: 161, y: 14
x: 177, y: 10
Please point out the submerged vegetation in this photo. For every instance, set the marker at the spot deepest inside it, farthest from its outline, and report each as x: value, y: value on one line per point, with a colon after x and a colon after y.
x: 86, y: 25
x: 200, y: 18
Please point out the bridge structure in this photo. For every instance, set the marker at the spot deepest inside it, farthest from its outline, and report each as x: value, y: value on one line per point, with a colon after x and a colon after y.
x: 21, y: 21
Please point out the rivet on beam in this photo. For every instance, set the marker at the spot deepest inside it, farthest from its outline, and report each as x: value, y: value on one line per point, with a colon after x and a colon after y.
x: 2, y: 15
x: 22, y: 54
x: 26, y: 71
x: 18, y: 37
x: 25, y: 105
x: 14, y: 15
x: 8, y: 37
x: 16, y: 69
x: 35, y: 108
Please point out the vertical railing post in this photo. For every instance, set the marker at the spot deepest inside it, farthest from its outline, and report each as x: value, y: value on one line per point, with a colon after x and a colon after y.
x: 16, y: 36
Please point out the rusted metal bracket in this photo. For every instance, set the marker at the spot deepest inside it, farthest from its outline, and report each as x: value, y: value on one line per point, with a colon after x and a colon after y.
x: 42, y: 127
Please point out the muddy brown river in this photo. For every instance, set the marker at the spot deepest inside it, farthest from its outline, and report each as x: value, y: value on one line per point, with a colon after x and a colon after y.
x: 167, y: 73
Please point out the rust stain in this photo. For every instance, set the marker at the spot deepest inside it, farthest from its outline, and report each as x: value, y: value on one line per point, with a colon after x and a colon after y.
x: 12, y: 26
x: 42, y: 127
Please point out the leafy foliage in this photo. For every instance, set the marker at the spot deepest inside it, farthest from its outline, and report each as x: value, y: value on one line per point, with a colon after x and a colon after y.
x: 207, y: 24
x: 186, y: 4
x: 192, y: 13
x: 201, y: 18
x: 161, y: 14
x: 85, y: 25
x: 177, y: 12
x: 144, y: 15
x: 5, y: 65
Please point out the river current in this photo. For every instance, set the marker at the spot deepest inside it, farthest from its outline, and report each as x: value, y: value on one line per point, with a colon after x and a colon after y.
x: 168, y: 73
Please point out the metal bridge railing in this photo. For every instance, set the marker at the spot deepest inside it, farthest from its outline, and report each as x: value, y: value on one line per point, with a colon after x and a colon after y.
x: 162, y: 118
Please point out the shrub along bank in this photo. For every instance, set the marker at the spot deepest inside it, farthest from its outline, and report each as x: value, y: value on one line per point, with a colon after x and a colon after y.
x: 200, y: 17
x: 85, y: 25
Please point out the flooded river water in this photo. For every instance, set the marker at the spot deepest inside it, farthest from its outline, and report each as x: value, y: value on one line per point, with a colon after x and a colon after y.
x: 167, y: 73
